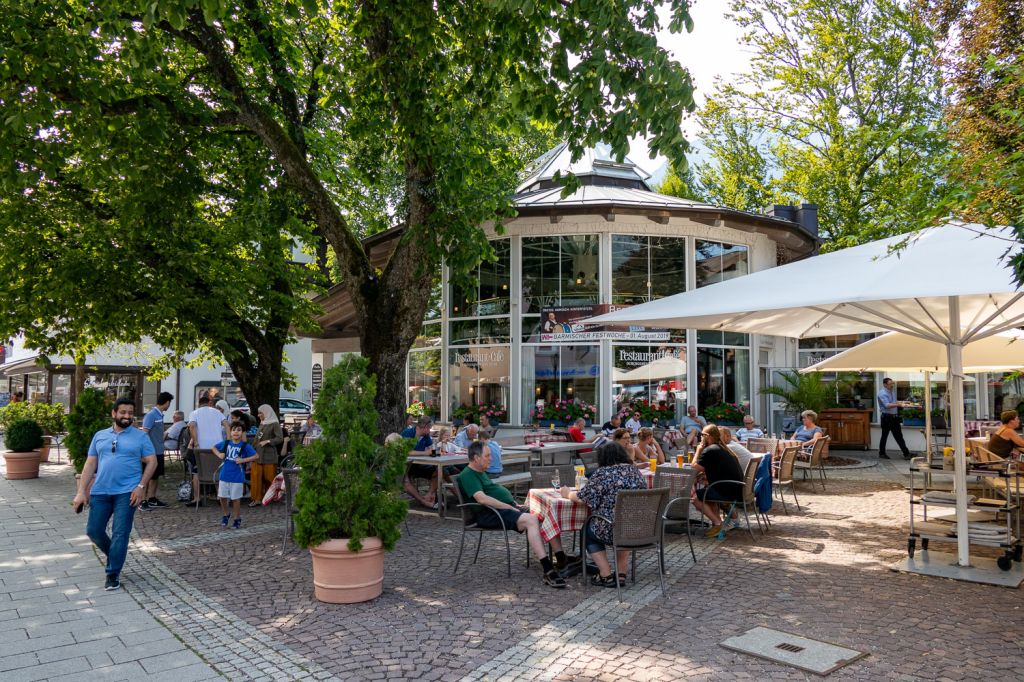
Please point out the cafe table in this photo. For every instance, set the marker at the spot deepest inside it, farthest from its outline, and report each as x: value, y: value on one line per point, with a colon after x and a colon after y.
x: 550, y: 449
x: 558, y: 515
x: 441, y: 461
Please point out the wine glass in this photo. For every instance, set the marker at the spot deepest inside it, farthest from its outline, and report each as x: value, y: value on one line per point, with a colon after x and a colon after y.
x: 556, y: 481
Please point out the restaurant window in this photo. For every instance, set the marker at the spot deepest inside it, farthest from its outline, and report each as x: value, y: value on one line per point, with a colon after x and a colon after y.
x: 552, y: 374
x: 723, y: 370
x: 910, y: 387
x: 37, y: 388
x: 857, y: 389
x: 646, y: 268
x: 560, y: 270
x: 478, y: 376
x: 425, y: 380
x: 489, y: 295
x: 717, y: 262
x: 655, y: 374
x: 116, y: 386
x: 1005, y: 392
x: 61, y: 390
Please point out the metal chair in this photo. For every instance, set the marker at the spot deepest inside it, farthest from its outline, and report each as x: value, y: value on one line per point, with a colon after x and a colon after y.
x: 747, y: 499
x: 540, y: 477
x: 470, y: 512
x: 677, y: 510
x: 637, y: 525
x: 815, y: 461
x: 209, y: 466
x: 784, y: 476
x: 291, y: 487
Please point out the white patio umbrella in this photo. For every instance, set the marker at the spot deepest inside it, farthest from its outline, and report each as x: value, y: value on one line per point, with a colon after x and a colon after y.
x: 948, y: 284
x: 665, y: 367
x: 896, y: 352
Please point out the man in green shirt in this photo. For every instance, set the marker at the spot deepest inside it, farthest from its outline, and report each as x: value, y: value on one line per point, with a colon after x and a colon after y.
x: 503, y: 512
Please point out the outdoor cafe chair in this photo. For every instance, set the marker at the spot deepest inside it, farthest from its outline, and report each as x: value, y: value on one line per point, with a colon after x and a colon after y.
x: 815, y: 460
x: 677, y: 510
x: 785, y: 475
x: 765, y: 445
x: 637, y: 525
x: 470, y: 512
x: 540, y: 477
x: 747, y: 501
x: 209, y: 466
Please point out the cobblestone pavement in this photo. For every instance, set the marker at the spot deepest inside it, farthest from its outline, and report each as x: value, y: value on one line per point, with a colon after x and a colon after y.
x: 243, y: 601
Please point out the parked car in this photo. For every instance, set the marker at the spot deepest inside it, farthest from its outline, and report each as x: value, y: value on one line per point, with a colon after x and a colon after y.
x: 284, y: 406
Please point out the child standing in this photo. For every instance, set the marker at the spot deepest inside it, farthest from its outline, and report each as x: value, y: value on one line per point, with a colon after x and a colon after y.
x: 234, y: 452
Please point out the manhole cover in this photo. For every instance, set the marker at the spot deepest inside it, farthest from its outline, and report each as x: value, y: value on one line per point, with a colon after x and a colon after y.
x: 810, y: 655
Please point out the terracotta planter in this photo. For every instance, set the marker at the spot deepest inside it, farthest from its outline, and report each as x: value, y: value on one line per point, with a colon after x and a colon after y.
x: 22, y: 465
x: 344, y: 577
x: 44, y: 452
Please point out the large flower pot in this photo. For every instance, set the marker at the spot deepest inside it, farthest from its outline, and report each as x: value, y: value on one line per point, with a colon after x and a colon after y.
x: 344, y: 577
x: 44, y: 452
x: 22, y: 465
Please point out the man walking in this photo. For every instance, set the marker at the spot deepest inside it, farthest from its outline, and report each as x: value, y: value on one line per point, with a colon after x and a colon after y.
x: 119, y: 488
x: 153, y: 426
x: 888, y: 408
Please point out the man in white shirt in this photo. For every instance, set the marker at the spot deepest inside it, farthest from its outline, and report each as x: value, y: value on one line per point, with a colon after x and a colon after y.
x: 748, y: 430
x: 634, y: 423
x: 207, y: 426
x: 742, y: 454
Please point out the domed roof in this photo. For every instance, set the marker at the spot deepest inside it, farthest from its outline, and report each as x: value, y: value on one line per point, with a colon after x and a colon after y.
x: 596, y: 166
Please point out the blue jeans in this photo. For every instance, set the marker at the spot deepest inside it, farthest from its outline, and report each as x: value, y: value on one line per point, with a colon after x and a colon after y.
x: 115, y: 545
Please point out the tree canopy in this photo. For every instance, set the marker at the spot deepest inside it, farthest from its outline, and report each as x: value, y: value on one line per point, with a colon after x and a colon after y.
x: 212, y: 136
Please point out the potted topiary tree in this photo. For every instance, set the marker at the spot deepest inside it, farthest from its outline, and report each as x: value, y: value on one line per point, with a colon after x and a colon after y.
x: 23, y: 439
x: 90, y: 414
x: 348, y: 504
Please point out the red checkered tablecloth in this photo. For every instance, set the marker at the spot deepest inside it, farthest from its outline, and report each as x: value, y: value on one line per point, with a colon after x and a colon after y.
x: 648, y: 476
x: 558, y: 515
x: 974, y: 426
x: 531, y: 437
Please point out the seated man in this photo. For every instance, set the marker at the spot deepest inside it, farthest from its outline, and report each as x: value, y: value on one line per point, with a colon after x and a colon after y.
x: 424, y: 446
x: 486, y: 426
x: 717, y: 464
x: 576, y: 434
x: 743, y: 455
x: 173, y: 432
x: 467, y: 436
x: 748, y: 430
x: 611, y: 426
x: 691, y: 425
x: 495, y: 469
x: 634, y: 423
x: 410, y: 427
x: 477, y: 486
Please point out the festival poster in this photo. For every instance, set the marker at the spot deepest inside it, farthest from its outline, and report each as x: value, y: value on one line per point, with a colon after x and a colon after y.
x: 565, y: 323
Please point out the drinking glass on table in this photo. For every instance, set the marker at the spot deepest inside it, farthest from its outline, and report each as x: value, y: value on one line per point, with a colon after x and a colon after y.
x: 556, y: 481
x: 654, y: 463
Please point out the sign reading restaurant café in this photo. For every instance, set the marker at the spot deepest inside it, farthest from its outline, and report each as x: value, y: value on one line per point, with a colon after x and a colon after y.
x: 566, y: 324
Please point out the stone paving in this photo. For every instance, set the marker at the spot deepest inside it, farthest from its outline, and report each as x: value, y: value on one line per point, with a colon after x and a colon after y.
x: 240, y: 602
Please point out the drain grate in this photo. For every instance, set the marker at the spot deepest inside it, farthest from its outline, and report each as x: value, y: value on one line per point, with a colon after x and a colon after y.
x: 828, y: 516
x: 810, y: 655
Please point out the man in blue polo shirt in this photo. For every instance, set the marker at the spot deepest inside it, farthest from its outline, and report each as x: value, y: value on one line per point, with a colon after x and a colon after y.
x: 116, y: 456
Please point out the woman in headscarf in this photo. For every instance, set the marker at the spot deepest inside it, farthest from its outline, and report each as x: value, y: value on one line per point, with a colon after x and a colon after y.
x: 268, y: 439
x: 225, y: 410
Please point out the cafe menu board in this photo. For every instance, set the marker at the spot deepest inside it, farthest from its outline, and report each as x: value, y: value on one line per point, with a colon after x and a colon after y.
x: 565, y: 323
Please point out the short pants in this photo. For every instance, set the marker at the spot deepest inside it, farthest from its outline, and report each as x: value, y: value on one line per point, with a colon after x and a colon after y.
x: 489, y: 519
x: 719, y: 494
x: 229, y: 490
x: 159, y: 467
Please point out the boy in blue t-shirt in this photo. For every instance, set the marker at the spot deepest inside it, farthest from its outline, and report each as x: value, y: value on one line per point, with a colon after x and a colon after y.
x: 234, y: 452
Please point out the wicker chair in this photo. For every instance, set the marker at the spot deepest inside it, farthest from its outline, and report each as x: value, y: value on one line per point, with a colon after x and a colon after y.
x: 784, y: 476
x: 747, y: 501
x: 291, y: 487
x: 814, y: 460
x: 470, y: 512
x: 637, y: 525
x: 209, y: 466
x: 540, y: 477
x: 677, y: 510
x: 765, y: 445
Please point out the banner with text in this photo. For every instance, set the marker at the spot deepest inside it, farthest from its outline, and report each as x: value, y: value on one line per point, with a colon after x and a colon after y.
x: 566, y: 324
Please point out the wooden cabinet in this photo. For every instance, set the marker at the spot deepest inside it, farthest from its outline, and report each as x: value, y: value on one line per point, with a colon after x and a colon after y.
x: 848, y: 428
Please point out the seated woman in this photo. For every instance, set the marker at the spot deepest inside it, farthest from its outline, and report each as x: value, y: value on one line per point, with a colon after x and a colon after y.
x: 808, y: 431
x: 615, y: 472
x: 625, y: 441
x: 1005, y: 440
x: 647, y: 446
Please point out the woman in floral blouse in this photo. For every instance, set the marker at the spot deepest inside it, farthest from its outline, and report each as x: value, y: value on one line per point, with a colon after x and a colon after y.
x: 615, y: 472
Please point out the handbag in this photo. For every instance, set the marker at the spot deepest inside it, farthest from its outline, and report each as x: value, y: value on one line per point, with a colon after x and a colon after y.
x: 185, y: 491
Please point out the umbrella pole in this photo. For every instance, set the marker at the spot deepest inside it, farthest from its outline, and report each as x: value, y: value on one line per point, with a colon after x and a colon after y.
x: 955, y: 377
x: 928, y: 417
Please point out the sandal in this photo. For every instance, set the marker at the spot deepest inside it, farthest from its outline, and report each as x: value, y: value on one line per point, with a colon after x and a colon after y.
x: 254, y: 503
x: 552, y: 579
x: 602, y: 581
x: 622, y: 579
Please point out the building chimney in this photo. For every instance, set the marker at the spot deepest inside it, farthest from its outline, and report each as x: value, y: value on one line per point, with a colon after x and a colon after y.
x: 807, y: 217
x: 783, y: 211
